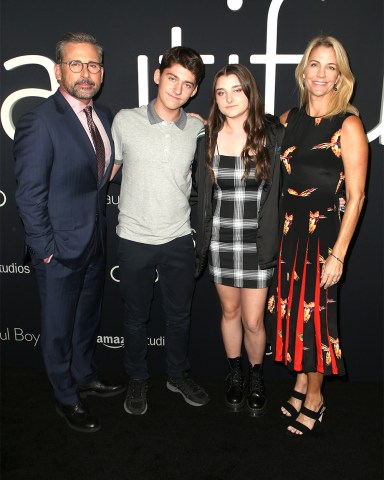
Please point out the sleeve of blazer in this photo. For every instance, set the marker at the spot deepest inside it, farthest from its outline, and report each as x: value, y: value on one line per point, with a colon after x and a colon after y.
x: 202, y: 186
x: 196, y: 166
x: 268, y: 231
x: 33, y: 151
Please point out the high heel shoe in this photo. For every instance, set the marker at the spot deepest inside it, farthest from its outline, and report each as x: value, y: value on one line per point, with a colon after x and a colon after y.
x: 290, y: 408
x: 317, y: 416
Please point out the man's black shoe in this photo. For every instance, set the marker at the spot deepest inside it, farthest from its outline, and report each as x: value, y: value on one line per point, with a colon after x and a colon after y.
x: 78, y: 417
x: 101, y: 389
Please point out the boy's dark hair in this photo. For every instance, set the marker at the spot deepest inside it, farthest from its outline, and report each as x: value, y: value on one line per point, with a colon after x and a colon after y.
x: 187, y: 58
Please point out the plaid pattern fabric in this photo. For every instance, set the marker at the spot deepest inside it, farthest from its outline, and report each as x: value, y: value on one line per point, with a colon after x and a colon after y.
x: 233, y: 251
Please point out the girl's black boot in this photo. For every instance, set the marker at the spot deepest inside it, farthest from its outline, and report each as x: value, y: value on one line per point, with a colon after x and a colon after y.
x: 235, y: 386
x: 257, y: 400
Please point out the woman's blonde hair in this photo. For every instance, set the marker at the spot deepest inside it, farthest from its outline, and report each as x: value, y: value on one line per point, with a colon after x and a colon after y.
x: 340, y: 100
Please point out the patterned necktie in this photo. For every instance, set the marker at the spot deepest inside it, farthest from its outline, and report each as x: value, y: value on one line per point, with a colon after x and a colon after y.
x: 97, y: 142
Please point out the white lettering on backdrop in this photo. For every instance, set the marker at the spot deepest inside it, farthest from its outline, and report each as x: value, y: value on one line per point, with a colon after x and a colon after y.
x: 270, y: 59
x: 11, y: 100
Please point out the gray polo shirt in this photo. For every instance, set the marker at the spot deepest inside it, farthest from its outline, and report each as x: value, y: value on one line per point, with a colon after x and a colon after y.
x: 157, y: 158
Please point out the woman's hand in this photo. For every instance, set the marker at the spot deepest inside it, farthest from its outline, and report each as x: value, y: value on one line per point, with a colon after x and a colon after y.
x: 331, y: 272
x: 196, y: 115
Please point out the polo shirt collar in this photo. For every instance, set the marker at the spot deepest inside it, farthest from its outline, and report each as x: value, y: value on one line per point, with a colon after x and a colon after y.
x: 154, y: 118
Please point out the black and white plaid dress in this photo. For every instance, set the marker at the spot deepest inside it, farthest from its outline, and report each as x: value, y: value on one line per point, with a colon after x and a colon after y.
x: 233, y: 253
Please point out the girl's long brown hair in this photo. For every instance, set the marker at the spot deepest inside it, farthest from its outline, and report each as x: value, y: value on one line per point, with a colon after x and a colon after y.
x: 254, y: 151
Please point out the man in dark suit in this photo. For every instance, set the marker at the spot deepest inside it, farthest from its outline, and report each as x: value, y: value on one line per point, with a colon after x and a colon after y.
x: 64, y: 154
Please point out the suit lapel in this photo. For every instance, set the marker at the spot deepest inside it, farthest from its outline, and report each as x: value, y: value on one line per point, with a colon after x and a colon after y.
x: 80, y: 135
x: 107, y: 127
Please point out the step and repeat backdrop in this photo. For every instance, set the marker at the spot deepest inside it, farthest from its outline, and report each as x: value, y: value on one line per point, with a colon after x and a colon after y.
x: 266, y: 36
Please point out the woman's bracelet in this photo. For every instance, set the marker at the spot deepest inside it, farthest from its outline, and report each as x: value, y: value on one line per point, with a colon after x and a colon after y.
x: 337, y: 258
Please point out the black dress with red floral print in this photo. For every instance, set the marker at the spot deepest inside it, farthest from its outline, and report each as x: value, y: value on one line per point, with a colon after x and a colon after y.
x: 305, y: 315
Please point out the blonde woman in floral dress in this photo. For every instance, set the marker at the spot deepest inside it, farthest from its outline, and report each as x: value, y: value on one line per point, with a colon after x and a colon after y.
x: 324, y: 150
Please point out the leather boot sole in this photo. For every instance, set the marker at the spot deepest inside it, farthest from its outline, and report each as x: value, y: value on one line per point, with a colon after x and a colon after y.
x: 235, y: 407
x: 257, y: 412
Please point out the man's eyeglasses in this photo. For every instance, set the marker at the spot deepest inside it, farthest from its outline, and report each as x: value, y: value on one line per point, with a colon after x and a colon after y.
x: 76, y: 66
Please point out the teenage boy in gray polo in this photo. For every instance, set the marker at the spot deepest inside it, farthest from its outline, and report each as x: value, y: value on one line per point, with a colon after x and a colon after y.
x: 156, y: 144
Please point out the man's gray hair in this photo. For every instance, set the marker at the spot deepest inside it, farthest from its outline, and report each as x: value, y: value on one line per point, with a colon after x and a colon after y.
x: 78, y: 37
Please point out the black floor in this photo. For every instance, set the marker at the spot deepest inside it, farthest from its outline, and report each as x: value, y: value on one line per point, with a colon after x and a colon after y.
x: 176, y: 441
